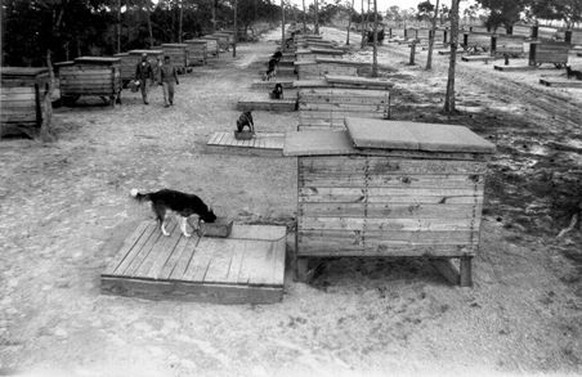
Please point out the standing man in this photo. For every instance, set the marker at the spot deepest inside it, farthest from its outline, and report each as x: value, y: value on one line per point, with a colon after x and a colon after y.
x: 143, y: 72
x: 169, y: 75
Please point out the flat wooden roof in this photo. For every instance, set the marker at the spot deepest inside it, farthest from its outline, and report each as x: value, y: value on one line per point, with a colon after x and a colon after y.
x: 22, y: 71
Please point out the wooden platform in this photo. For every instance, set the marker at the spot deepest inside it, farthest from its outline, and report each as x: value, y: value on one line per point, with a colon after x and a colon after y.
x: 562, y: 83
x: 276, y: 105
x: 263, y: 144
x: 247, y: 267
x: 513, y: 68
x: 269, y: 85
x: 478, y: 58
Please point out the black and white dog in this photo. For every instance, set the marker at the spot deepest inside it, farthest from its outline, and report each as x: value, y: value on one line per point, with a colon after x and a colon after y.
x: 245, y: 120
x: 182, y: 204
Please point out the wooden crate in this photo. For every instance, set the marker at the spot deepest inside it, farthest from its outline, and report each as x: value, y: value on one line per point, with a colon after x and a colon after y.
x: 507, y: 44
x: 213, y: 46
x: 389, y: 189
x: 22, y: 99
x: 555, y: 53
x: 197, y: 51
x: 90, y: 76
x: 326, y: 108
x: 178, y: 53
x: 480, y: 41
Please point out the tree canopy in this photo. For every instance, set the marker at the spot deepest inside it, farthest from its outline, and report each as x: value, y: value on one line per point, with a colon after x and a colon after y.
x: 71, y: 28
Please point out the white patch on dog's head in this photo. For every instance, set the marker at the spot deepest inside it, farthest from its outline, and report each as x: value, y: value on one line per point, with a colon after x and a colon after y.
x: 134, y: 192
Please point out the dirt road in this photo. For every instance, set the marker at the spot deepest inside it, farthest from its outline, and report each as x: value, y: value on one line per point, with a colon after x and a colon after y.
x: 62, y: 204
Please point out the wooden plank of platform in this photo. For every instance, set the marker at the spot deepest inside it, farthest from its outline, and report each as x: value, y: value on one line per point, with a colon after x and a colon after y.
x: 561, y: 83
x: 277, y: 105
x: 478, y: 58
x: 246, y: 268
x: 513, y: 68
x: 260, y: 84
x: 263, y: 144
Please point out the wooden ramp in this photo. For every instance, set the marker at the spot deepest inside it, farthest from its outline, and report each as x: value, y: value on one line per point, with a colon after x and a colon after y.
x: 562, y: 83
x: 263, y: 144
x: 277, y: 105
x: 247, y: 267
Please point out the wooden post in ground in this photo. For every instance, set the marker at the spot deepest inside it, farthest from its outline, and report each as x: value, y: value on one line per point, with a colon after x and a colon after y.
x: 412, y: 53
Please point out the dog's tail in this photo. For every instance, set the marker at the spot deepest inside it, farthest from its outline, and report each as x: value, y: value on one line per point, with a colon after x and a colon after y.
x: 138, y: 196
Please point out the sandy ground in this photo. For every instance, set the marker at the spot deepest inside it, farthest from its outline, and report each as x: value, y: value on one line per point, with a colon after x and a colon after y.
x: 62, y: 205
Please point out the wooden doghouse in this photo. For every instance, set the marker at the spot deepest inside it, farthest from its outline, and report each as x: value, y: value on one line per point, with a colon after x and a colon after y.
x: 197, y: 51
x: 555, y: 53
x: 178, y: 53
x: 22, y: 99
x: 507, y: 45
x: 326, y: 108
x: 90, y: 76
x: 212, y: 46
x: 313, y: 69
x: 126, y: 67
x: 477, y: 41
x: 390, y: 189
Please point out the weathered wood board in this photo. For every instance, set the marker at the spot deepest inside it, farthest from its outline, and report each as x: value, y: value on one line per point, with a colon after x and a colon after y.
x: 512, y: 68
x: 478, y: 58
x: 263, y: 144
x: 276, y: 105
x: 269, y: 85
x: 561, y: 83
x: 246, y: 268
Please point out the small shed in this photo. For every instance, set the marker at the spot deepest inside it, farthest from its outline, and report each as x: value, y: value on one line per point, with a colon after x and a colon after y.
x: 197, y: 51
x: 390, y: 189
x: 22, y: 99
x: 512, y: 45
x: 178, y: 53
x: 546, y: 52
x: 479, y: 41
x: 90, y: 76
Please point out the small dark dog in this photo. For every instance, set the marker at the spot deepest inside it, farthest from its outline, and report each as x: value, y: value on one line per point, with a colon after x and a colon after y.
x: 277, y: 56
x: 277, y: 92
x: 573, y: 73
x: 271, y: 70
x: 245, y: 120
x: 182, y: 204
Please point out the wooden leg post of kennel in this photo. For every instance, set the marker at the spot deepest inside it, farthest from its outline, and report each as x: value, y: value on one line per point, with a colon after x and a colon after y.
x: 390, y: 189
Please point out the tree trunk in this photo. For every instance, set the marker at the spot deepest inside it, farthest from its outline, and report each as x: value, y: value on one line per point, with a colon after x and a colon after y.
x: 282, y: 25
x: 46, y: 132
x: 304, y: 18
x: 213, y: 16
x: 316, y: 17
x: 351, y: 13
x: 118, y: 26
x: 375, y: 50
x: 149, y: 20
x: 450, y: 94
x: 180, y: 21
x: 431, y: 37
x: 235, y: 37
x: 362, y: 26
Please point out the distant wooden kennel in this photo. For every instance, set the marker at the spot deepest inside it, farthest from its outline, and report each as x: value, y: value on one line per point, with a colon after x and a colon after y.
x: 22, y: 99
x: 130, y: 60
x: 90, y: 76
x: 197, y: 51
x: 326, y: 108
x: 212, y: 46
x: 545, y: 52
x: 178, y: 53
x: 390, y: 189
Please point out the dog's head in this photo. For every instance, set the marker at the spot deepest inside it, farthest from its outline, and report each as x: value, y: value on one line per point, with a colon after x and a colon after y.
x: 209, y: 216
